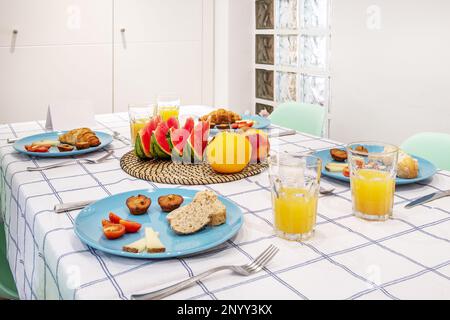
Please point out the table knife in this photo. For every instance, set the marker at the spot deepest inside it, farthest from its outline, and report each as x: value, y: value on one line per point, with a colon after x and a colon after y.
x: 12, y: 140
x: 283, y: 134
x: 428, y: 198
x: 70, y: 206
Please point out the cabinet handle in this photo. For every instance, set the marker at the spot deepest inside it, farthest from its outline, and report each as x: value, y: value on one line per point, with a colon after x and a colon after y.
x: 15, y: 31
x: 122, y: 30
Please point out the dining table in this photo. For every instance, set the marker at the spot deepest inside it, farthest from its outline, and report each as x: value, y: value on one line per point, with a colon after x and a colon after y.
x: 406, y: 257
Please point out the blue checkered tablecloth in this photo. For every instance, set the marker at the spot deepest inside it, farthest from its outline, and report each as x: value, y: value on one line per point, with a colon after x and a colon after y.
x: 404, y: 258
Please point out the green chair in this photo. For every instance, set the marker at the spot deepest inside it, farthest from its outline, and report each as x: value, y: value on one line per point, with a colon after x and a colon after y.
x: 7, y: 286
x: 432, y: 146
x: 302, y: 117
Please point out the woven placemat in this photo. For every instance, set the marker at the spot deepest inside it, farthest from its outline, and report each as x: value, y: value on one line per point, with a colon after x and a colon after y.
x: 169, y: 172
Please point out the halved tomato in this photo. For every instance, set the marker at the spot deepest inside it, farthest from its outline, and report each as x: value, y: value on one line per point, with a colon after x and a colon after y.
x: 106, y: 223
x: 43, y: 148
x: 130, y: 226
x: 114, y: 218
x: 346, y: 172
x: 114, y: 231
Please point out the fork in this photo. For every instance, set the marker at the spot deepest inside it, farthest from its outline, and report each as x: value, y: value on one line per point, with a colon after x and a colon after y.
x: 245, y: 270
x: 65, y: 163
x: 118, y: 136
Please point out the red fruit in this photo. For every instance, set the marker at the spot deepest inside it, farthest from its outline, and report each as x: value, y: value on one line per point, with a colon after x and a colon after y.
x: 178, y: 139
x: 114, y: 218
x: 173, y: 123
x: 189, y: 125
x: 130, y: 226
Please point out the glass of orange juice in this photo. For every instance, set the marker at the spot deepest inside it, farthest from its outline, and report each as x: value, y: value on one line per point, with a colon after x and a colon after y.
x: 168, y: 106
x: 295, y: 183
x: 373, y: 169
x: 139, y: 115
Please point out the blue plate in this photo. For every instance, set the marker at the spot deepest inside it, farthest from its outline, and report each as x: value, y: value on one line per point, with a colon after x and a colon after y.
x: 105, y: 139
x: 426, y: 169
x: 260, y: 123
x: 88, y: 226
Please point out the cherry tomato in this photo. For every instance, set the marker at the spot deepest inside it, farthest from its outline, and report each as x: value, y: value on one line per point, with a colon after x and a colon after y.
x: 114, y: 218
x: 114, y: 231
x: 43, y: 148
x: 130, y: 226
x: 234, y: 126
x: 106, y: 223
x: 346, y: 172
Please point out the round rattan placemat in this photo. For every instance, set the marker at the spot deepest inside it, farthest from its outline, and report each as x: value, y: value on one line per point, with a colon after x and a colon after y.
x: 169, y: 172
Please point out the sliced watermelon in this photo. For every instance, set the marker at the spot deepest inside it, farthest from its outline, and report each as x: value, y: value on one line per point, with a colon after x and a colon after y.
x: 139, y: 150
x: 146, y: 133
x: 160, y: 144
x: 195, y: 147
x: 178, y: 139
x: 173, y: 123
x: 189, y: 124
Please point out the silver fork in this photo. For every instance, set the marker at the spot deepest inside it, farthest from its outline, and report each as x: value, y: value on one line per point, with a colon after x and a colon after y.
x: 69, y: 162
x: 118, y: 136
x: 245, y: 270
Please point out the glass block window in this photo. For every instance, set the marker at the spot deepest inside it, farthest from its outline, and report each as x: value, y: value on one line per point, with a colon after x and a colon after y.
x: 292, y: 52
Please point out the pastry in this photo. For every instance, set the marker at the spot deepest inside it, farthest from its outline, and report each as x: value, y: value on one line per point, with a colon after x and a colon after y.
x: 361, y: 149
x: 338, y: 155
x: 407, y: 166
x: 82, y: 145
x: 221, y: 116
x: 139, y: 204
x: 80, y: 135
x: 170, y: 202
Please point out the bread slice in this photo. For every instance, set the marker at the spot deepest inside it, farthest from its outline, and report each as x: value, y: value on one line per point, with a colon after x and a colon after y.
x: 205, y: 209
x: 136, y: 247
x: 188, y: 219
x: 153, y: 244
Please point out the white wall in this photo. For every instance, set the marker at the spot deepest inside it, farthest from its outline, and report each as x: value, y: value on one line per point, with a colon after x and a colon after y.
x: 391, y: 82
x: 234, y: 85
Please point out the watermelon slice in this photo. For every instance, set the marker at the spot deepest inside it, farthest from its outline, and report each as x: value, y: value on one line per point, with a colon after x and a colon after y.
x: 173, y: 123
x: 178, y: 139
x: 189, y: 125
x: 160, y: 147
x: 195, y: 147
x: 139, y: 150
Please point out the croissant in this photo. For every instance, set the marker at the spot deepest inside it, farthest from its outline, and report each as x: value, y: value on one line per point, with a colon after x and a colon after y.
x: 80, y: 135
x: 221, y: 116
x: 407, y: 166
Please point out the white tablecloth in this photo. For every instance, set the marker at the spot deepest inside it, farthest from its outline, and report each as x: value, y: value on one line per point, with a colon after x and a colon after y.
x: 405, y: 257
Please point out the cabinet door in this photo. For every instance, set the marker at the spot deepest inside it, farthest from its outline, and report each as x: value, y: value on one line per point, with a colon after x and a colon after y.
x: 34, y: 77
x: 55, y: 22
x: 163, y: 46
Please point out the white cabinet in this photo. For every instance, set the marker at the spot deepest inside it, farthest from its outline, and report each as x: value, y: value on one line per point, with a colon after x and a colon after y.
x: 163, y: 46
x: 55, y: 22
x: 33, y: 77
x: 75, y: 50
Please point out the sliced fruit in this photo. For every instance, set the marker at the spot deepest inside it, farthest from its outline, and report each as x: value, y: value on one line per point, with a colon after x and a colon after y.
x: 173, y: 123
x: 114, y: 218
x: 160, y: 144
x: 189, y: 124
x: 139, y: 149
x: 346, y: 172
x: 106, y: 223
x: 335, y: 167
x: 130, y: 226
x: 114, y: 231
x: 178, y: 140
x: 196, y: 145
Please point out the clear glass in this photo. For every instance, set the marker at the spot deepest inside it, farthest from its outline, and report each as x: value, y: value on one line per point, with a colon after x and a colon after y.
x: 287, y: 14
x: 295, y: 183
x: 315, y: 14
x: 139, y: 115
x: 287, y: 50
x: 314, y: 89
x: 313, y: 51
x: 169, y: 105
x: 373, y: 169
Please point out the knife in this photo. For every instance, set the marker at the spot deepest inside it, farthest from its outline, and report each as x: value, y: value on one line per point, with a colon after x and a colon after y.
x: 70, y: 206
x: 428, y: 198
x: 282, y: 134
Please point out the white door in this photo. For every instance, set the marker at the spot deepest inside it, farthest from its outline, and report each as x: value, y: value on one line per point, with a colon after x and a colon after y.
x: 62, y: 51
x: 163, y: 46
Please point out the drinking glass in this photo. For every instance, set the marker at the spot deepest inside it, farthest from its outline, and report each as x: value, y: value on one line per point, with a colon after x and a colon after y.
x: 168, y: 106
x: 139, y: 115
x: 295, y: 183
x: 373, y: 169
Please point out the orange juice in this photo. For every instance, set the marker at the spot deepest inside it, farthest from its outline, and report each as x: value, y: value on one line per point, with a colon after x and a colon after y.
x: 373, y: 192
x: 167, y: 112
x: 136, y: 126
x: 295, y: 210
